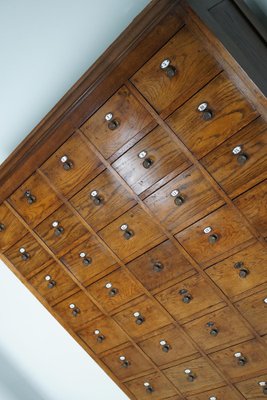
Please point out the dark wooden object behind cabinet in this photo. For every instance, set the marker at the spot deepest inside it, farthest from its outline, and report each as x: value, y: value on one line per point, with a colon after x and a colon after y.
x: 141, y: 226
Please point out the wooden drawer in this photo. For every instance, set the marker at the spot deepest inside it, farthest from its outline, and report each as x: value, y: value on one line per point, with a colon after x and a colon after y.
x: 102, y: 201
x: 35, y: 200
x: 141, y: 318
x: 103, y: 334
x: 218, y: 329
x: 150, y: 160
x: 254, y: 353
x: 116, y: 122
x: 153, y: 386
x: 72, y: 165
x: 254, y: 309
x: 54, y: 284
x: 160, y: 265
x: 194, y: 376
x: 132, y: 234
x: 193, y: 67
x: 223, y: 393
x: 11, y: 229
x: 77, y: 310
x: 226, y: 112
x: 89, y: 261
x: 114, y: 290
x: 253, y: 205
x: 241, y: 272
x: 127, y: 362
x: 225, y: 230
x: 168, y: 346
x: 254, y: 388
x: 190, y: 298
x: 28, y: 256
x: 61, y: 230
x: 240, y: 162
x: 184, y: 200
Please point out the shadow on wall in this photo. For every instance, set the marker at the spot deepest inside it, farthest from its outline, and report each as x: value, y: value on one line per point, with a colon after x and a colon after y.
x: 13, y: 382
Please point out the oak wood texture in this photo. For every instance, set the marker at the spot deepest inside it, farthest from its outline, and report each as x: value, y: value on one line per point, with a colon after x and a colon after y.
x: 179, y: 346
x: 45, y: 200
x: 137, y: 363
x: 223, y: 165
x: 160, y: 265
x: 230, y: 112
x: 251, y: 389
x: 85, y: 165
x: 165, y: 157
x: 253, y: 205
x: 101, y: 261
x: 11, y: 229
x: 146, y: 234
x: 131, y: 116
x: 228, y: 227
x: 205, y: 376
x: 114, y: 201
x: 221, y: 393
x: 194, y: 66
x: 203, y: 299
x: 197, y: 200
x: 253, y: 259
x: 37, y: 258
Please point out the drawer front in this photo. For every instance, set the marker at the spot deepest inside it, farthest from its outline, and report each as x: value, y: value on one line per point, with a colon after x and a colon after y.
x: 61, y: 230
x: 127, y: 363
x: 188, y: 298
x: 150, y: 160
x: 153, y: 386
x: 254, y: 309
x: 54, y: 284
x: 35, y: 200
x: 102, y: 201
x: 28, y: 256
x: 89, y: 261
x: 253, y: 205
x: 194, y: 376
x: 210, y: 117
x: 184, y: 200
x: 71, y: 165
x: 241, y: 272
x: 223, y: 393
x: 168, y: 346
x: 141, y: 317
x: 220, y: 328
x: 224, y: 230
x: 254, y: 388
x: 114, y: 290
x: 77, y: 310
x: 102, y: 334
x: 190, y: 68
x: 160, y: 265
x: 132, y: 234
x: 233, y: 365
x: 11, y: 229
x: 240, y: 162
x: 116, y: 122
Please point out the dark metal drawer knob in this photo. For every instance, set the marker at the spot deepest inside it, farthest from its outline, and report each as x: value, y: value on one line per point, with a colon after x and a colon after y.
x: 24, y: 254
x: 30, y: 197
x: 165, y: 347
x: 112, y: 122
x: 206, y: 112
x: 58, y: 230
x: 158, y: 266
x: 213, y: 238
x: 264, y: 391
x: 187, y: 298
x: 169, y: 69
x: 113, y: 291
x: 214, y: 332
x: 263, y: 385
x: 100, y: 338
x: 74, y: 310
x: 147, y: 161
x: 241, y: 157
x: 127, y: 233
x: 96, y: 198
x: 66, y: 163
x: 2, y: 227
x: 178, y: 198
x: 50, y: 282
x: 148, y: 387
x: 124, y: 363
x: 139, y: 319
x: 190, y: 376
x: 243, y: 272
x: 241, y: 360
x: 86, y: 260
